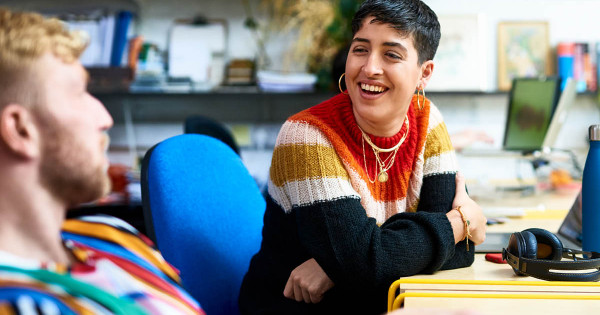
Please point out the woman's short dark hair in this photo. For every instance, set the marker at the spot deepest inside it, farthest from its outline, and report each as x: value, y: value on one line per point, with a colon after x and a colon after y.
x: 409, y: 17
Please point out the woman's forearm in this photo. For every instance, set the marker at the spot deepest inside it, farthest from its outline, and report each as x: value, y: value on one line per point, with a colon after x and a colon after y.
x: 458, y: 226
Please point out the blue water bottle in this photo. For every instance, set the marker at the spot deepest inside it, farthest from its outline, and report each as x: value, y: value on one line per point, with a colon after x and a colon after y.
x: 590, y: 211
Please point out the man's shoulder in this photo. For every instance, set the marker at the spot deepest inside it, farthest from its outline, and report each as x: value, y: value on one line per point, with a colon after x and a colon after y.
x: 107, y: 228
x: 117, y: 238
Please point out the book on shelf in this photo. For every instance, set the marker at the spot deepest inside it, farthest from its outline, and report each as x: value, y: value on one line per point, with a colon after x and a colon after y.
x: 578, y: 60
x: 122, y: 23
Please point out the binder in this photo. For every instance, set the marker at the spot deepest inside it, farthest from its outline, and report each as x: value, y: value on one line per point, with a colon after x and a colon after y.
x: 120, y: 37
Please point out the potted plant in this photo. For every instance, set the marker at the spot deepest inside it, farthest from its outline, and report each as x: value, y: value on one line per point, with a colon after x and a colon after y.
x: 320, y: 28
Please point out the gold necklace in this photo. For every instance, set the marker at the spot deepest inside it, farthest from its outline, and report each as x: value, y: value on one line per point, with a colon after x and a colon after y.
x: 386, y: 164
x: 378, y: 149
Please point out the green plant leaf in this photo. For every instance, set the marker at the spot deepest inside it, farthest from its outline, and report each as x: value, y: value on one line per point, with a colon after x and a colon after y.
x: 250, y: 23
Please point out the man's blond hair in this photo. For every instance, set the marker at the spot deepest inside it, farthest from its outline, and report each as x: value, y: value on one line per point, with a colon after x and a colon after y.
x: 24, y: 38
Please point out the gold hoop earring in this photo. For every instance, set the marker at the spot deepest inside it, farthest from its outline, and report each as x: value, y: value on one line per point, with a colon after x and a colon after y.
x: 340, y: 83
x: 421, y: 91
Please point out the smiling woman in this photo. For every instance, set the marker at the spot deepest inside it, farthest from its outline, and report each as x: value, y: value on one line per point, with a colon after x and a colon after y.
x: 363, y: 187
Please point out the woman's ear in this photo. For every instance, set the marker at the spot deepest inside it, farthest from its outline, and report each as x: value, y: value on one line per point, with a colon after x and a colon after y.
x: 426, y: 72
x: 19, y: 132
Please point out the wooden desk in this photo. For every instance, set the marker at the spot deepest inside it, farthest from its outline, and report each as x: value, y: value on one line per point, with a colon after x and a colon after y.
x: 498, y: 289
x: 451, y: 290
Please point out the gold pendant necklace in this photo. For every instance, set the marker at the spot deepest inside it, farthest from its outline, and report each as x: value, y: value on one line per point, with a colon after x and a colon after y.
x: 382, y: 175
x: 384, y: 166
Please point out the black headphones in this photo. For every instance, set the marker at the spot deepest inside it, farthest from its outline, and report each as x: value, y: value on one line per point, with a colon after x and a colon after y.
x: 538, y: 253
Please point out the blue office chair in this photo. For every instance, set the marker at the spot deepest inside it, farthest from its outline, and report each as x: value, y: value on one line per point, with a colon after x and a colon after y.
x: 207, y: 126
x: 206, y: 214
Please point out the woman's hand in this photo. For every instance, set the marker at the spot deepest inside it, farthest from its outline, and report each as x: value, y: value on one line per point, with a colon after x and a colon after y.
x: 472, y: 212
x: 307, y: 282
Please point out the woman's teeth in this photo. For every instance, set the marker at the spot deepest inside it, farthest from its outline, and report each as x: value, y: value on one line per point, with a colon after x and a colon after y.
x: 372, y: 88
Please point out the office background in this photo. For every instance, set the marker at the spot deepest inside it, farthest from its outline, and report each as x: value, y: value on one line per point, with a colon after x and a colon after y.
x: 141, y: 123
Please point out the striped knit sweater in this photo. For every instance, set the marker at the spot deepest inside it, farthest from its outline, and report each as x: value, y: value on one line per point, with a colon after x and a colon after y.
x: 118, y: 271
x: 323, y: 205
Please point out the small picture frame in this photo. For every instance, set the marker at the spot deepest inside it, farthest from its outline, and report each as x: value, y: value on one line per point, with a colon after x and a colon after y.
x: 523, y: 51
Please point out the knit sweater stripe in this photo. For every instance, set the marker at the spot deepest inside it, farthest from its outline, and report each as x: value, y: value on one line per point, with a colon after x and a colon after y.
x: 308, y: 192
x: 310, y: 135
x: 435, y: 116
x: 442, y: 164
x: 439, y: 154
x: 321, y: 161
x: 441, y: 141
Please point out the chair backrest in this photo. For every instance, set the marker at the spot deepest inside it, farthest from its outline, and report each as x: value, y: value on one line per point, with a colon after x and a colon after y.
x: 206, y: 213
x: 210, y: 127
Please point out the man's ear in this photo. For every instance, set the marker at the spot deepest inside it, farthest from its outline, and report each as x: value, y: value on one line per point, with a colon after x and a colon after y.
x: 426, y: 72
x: 18, y: 131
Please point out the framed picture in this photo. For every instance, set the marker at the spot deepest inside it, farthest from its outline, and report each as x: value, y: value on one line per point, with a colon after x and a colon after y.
x: 523, y: 51
x: 460, y: 60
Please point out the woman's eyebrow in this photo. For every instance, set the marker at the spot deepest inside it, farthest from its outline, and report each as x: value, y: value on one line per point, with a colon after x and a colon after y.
x: 389, y: 44
x: 360, y: 39
x: 397, y: 45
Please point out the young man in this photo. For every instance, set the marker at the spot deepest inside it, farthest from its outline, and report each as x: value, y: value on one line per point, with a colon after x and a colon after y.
x: 53, y: 144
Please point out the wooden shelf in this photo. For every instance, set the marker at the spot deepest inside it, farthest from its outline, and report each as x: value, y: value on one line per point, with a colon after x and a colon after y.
x: 243, y: 104
x: 226, y: 106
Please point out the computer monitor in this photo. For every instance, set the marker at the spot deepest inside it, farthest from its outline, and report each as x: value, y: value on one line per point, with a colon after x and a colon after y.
x: 567, y: 98
x: 531, y: 104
